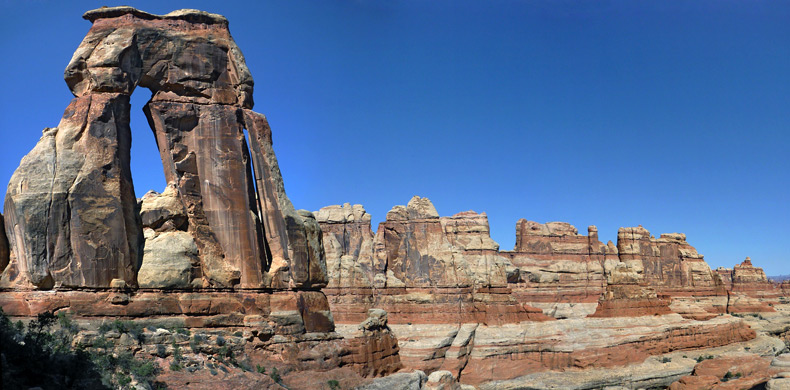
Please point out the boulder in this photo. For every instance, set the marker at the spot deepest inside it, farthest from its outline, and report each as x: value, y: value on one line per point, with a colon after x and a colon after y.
x: 168, y: 260
x: 400, y: 381
x: 163, y: 211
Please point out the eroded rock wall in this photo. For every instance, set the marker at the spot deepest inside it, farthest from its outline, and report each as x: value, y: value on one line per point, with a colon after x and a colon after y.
x: 222, y: 247
x: 71, y: 212
x: 418, y: 266
x: 668, y: 262
x: 559, y: 270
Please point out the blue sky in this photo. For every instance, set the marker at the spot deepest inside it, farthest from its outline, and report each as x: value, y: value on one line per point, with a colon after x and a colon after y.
x: 669, y: 114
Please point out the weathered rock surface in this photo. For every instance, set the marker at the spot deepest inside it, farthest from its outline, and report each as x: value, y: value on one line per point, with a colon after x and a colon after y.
x: 556, y: 265
x: 224, y: 252
x: 163, y: 212
x: 744, y: 371
x: 552, y: 265
x: 654, y: 372
x: 668, y: 262
x: 627, y: 295
x: 418, y: 267
x: 168, y: 261
x: 401, y: 381
x: 373, y: 348
x: 70, y: 208
x: 747, y: 277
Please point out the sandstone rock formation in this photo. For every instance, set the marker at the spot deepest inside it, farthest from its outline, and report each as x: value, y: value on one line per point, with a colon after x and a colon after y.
x: 402, y: 267
x: 70, y: 207
x: 627, y: 295
x: 221, y: 248
x: 668, y: 262
x: 373, y: 349
x: 560, y: 270
x: 747, y: 277
x: 224, y: 253
x: 418, y: 266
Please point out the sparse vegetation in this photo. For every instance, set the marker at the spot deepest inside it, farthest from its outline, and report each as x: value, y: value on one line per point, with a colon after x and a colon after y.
x: 175, y: 365
x: 43, y: 357
x: 666, y: 359
x: 333, y: 384
x: 275, y: 375
x: 133, y: 328
x: 730, y: 376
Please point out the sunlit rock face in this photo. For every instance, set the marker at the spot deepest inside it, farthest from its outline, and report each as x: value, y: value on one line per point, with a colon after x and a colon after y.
x: 72, y: 217
x: 420, y: 267
x: 221, y: 248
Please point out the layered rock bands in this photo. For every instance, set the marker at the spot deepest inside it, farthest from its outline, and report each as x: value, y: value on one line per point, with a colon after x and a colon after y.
x: 222, y: 248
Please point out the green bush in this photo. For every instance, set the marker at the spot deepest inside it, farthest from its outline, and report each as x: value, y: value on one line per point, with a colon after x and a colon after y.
x: 43, y: 357
x: 275, y: 375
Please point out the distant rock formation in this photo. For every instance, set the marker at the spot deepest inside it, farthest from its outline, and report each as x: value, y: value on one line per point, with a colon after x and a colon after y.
x: 552, y: 267
x: 418, y: 266
x: 668, y: 262
x: 459, y: 305
x: 746, y: 277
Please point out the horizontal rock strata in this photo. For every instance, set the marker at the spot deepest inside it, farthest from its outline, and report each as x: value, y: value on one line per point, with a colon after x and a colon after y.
x: 418, y: 267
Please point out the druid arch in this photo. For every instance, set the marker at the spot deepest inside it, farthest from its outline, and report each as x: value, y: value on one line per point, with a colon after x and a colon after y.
x: 71, y: 215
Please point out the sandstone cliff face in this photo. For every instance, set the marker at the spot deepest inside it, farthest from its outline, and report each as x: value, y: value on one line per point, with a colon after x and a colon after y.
x: 557, y: 265
x: 418, y: 266
x: 668, y: 262
x: 745, y: 276
x: 70, y: 208
x: 349, y: 247
x: 627, y: 295
x: 222, y: 250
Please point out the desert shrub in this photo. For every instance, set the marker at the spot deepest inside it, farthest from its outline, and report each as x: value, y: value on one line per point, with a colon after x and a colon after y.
x: 275, y: 375
x: 133, y: 328
x: 41, y: 355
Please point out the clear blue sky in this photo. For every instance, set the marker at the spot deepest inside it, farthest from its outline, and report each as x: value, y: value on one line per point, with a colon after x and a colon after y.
x: 670, y: 114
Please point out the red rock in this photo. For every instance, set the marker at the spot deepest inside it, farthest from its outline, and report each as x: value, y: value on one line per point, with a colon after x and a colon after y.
x: 694, y: 382
x: 529, y: 358
x: 746, y: 277
x: 373, y: 351
x: 88, y: 231
x: 733, y: 373
x: 556, y: 264
x: 669, y: 262
x: 631, y: 301
x: 419, y: 267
